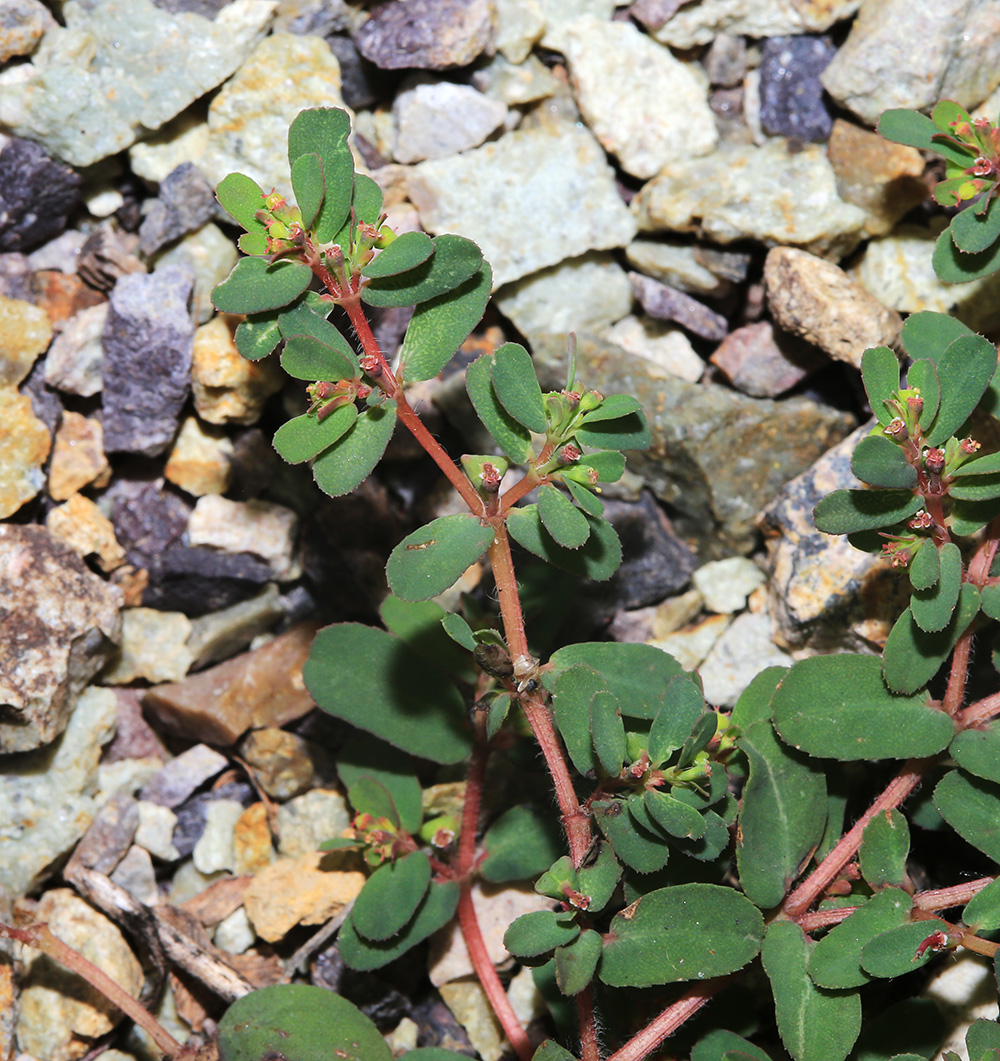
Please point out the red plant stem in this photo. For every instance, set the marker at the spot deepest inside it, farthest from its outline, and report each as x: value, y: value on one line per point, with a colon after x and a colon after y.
x: 589, y: 1050
x: 42, y: 938
x: 980, y: 711
x: 955, y: 690
x: 956, y: 895
x: 488, y: 975
x: 897, y: 790
x: 643, y: 1043
x: 824, y: 918
x: 519, y: 490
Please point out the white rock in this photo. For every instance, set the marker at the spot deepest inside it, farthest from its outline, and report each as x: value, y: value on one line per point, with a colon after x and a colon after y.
x: 259, y: 527
x: 435, y: 119
x: 726, y: 584
x: 742, y: 652
x: 691, y: 644
x: 632, y: 123
x: 136, y: 875
x: 154, y: 647
x: 73, y: 362
x: 665, y: 345
x: 698, y: 22
x: 234, y: 934
x: 673, y: 263
x: 519, y: 25
x: 156, y: 830
x: 308, y: 820
x: 558, y: 14
x: 215, y: 849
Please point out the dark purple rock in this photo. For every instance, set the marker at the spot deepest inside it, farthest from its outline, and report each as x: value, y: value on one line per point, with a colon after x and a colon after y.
x: 15, y: 277
x: 148, y: 341
x: 191, y: 814
x: 791, y: 96
x: 668, y: 304
x: 185, y: 203
x: 37, y: 194
x: 44, y: 401
x: 361, y: 82
x: 196, y: 580
x: 430, y: 34
x: 147, y: 520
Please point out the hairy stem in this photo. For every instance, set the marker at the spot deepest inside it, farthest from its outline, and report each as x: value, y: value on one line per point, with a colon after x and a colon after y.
x: 955, y: 690
x: 589, y: 1049
x: 643, y: 1043
x: 42, y: 938
x: 897, y: 790
x: 980, y: 711
x: 956, y: 895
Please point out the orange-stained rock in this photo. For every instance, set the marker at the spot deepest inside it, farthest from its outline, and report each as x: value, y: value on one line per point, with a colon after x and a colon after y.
x: 24, y: 448
x: 77, y: 457
x: 297, y: 891
x: 252, y: 840
x: 280, y: 760
x: 61, y: 295
x: 199, y: 462
x: 25, y: 332
x: 82, y: 525
x: 227, y: 388
x: 256, y: 689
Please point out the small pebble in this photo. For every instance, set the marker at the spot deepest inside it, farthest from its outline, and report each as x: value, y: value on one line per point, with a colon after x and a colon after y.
x: 215, y: 850
x: 84, y: 527
x: 78, y: 458
x: 725, y: 584
x: 307, y: 821
x: 260, y: 527
x: 280, y: 760
x: 154, y: 648
x: 136, y: 875
x: 234, y: 934
x: 156, y: 830
x: 199, y: 462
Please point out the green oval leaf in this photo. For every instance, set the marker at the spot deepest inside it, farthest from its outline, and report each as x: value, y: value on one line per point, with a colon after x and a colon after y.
x: 927, y: 335
x: 309, y: 319
x: 599, y: 558
x: 305, y: 357
x: 516, y: 386
x: 351, y: 459
x: 878, y: 461
x: 301, y: 1023
x: 723, y: 1045
x: 440, y: 325
x: 509, y: 435
x: 391, y: 896
x: 455, y: 259
x: 925, y: 567
x: 679, y: 710
x: 814, y: 1024
x: 590, y: 503
x: 639, y: 848
x: 364, y: 757
x: 255, y: 286
x: 956, y: 267
x: 978, y: 751
x: 304, y: 437
x: 965, y: 372
x: 324, y: 131
x: 437, y: 909
x: 309, y: 186
x: 607, y: 731
x: 971, y: 806
x: 540, y: 932
x: 828, y: 706
x: 982, y: 911
x: 691, y: 932
x: 782, y: 815
x: 406, y: 251
x: 836, y: 960
x: 974, y: 232
x: 933, y: 607
x: 977, y: 488
x: 904, y: 126
x: 673, y: 816
x: 613, y: 407
x: 379, y: 684
x: 627, y: 432
x: 432, y: 558
x: 258, y: 335
x: 576, y: 962
x: 897, y: 952
x: 880, y: 373
x: 241, y: 197
x: 561, y: 518
x: 850, y: 511
x: 520, y: 844
x: 923, y: 377
x: 574, y: 689
x: 885, y: 845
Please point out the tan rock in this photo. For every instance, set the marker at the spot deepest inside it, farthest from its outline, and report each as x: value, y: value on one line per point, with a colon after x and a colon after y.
x: 260, y: 527
x: 280, y: 760
x: 468, y: 1003
x: 252, y: 841
x: 818, y: 301
x: 297, y: 891
x: 77, y: 457
x: 227, y: 388
x: 60, y: 1013
x: 691, y: 644
x: 200, y: 460
x: 25, y: 332
x: 82, y: 525
x: 256, y: 689
x: 154, y: 647
x: 24, y: 448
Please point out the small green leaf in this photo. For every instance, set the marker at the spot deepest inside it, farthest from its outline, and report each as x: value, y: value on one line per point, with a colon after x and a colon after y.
x: 923, y: 377
x: 305, y: 357
x: 613, y: 407
x: 298, y: 1022
x: 455, y: 259
x: 364, y: 757
x: 598, y: 879
x: 967, y: 517
x: 309, y: 319
x: 520, y: 844
x: 258, y: 335
x: 673, y: 816
x: 880, y: 373
x: 982, y: 911
x: 825, y: 705
x: 627, y: 432
x: 904, y: 126
x: 590, y: 504
x: 324, y: 131
x: 607, y: 731
x: 350, y: 460
x: 976, y: 488
x: 850, y: 511
x: 254, y: 286
x: 432, y: 558
x: 560, y: 517
x: 932, y: 608
x: 305, y: 436
x: 551, y: 1051
x: 946, y: 112
x: 836, y: 960
x: 956, y: 267
x: 814, y: 1024
x: 977, y: 751
x: 690, y: 932
x: 608, y: 465
x: 440, y: 325
x: 367, y: 795
x: 974, y: 232
x: 896, y: 952
x: 571, y: 697
x: 988, y: 464
x: 391, y: 896
x: 878, y: 461
x: 971, y: 806
x: 576, y: 962
x: 379, y: 684
x: 599, y: 558
x: 254, y: 243
x: 965, y: 372
x: 509, y: 435
x: 540, y: 932
x: 982, y: 1040
x: 497, y: 715
x: 309, y: 186
x: 516, y: 386
x: 458, y: 630
x: 885, y: 845
x: 405, y: 252
x: 637, y: 847
x: 925, y: 567
x: 782, y: 815
x: 926, y: 335
x: 437, y: 909
x: 241, y: 198
x: 722, y: 1045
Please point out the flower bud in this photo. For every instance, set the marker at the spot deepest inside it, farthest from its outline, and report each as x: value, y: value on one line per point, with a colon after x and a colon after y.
x: 896, y: 429
x: 934, y: 460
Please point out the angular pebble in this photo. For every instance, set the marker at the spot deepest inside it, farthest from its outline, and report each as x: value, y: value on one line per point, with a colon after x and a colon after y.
x: 681, y: 265
x: 667, y: 304
x: 819, y: 302
x: 740, y: 654
x: 435, y: 119
x: 37, y: 193
x: 148, y: 338
x: 234, y: 934
x: 182, y: 775
x: 665, y: 345
x: 252, y: 850
x: 210, y: 255
x: 77, y: 456
x: 256, y: 689
x: 765, y: 363
x: 262, y: 528
x: 560, y: 14
x: 280, y: 761
x: 136, y: 875
x: 219, y: 635
x: 791, y: 96
x: 73, y: 363
x: 154, y: 648
x: 698, y: 22
x: 215, y: 850
x: 156, y: 831
x: 631, y: 122
x: 22, y: 23
x: 196, y: 580
x: 769, y: 193
x: 519, y: 25
x: 691, y: 644
x: 62, y: 624
x: 725, y: 584
x: 84, y: 527
x: 496, y: 193
x: 25, y: 332
x: 199, y: 462
x: 307, y: 821
x: 431, y: 34
x: 186, y: 201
